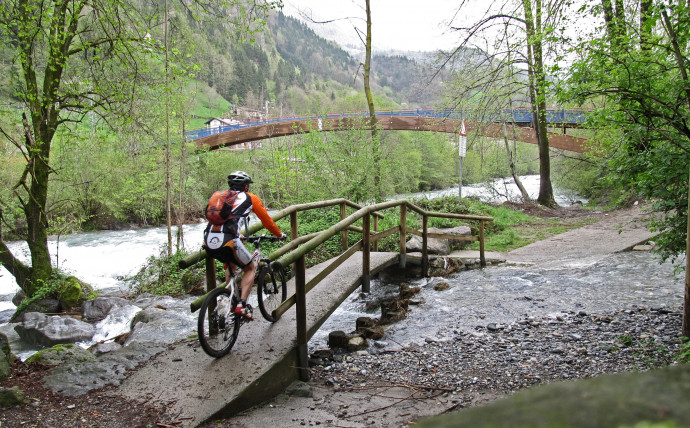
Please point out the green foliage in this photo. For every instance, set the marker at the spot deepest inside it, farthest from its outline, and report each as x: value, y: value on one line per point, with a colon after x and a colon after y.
x: 684, y: 353
x: 639, y: 84
x: 162, y: 276
x: 44, y: 289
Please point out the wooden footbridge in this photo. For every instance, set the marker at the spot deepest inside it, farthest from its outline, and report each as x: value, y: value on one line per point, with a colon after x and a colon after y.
x: 267, y: 357
x: 518, y: 126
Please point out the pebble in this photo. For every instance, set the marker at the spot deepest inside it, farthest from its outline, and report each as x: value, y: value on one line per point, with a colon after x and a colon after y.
x: 580, y: 345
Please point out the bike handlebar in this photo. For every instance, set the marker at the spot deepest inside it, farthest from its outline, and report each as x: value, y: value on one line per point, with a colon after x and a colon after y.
x: 258, y: 238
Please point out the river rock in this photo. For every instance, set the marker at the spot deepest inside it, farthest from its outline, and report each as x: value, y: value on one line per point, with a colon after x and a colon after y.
x: 157, y: 324
x: 117, y: 323
x: 72, y: 292
x: 43, y: 330
x: 338, y: 339
x: 98, y: 308
x: 393, y: 310
x: 6, y: 315
x: 45, y: 306
x: 356, y: 343
x: 56, y: 355
x: 439, y: 246
x: 11, y: 397
x: 18, y: 297
x: 441, y: 286
x: 104, y: 348
x: 4, y: 357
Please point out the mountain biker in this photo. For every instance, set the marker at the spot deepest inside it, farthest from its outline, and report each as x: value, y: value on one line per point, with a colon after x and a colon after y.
x: 229, y: 249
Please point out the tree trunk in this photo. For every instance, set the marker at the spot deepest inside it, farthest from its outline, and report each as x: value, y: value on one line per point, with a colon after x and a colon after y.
x: 685, y: 75
x: 537, y: 84
x: 375, y: 143
x: 513, y: 170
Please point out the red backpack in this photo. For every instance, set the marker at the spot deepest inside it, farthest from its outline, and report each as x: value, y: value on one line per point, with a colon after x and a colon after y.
x: 219, y: 208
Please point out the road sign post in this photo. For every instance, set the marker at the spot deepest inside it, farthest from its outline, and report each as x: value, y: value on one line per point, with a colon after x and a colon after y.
x: 462, y: 151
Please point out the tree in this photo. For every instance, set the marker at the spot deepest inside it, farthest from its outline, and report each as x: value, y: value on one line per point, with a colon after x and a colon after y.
x: 634, y: 65
x: 76, y: 57
x: 524, y: 28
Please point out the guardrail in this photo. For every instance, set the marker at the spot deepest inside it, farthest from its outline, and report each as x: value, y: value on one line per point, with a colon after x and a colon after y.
x: 555, y: 116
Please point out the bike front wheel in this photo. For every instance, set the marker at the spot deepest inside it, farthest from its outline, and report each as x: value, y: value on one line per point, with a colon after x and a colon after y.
x: 218, y: 324
x: 271, y: 291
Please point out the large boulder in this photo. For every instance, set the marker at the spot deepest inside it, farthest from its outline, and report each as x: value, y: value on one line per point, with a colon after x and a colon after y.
x: 99, y: 308
x: 56, y: 355
x: 72, y: 292
x: 437, y: 245
x: 157, y: 324
x: 627, y: 399
x: 40, y: 329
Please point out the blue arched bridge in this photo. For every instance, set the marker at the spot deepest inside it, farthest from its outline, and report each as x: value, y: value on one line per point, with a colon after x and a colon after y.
x: 519, y: 126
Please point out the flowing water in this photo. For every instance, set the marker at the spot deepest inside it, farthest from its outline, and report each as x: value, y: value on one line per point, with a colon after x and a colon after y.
x: 503, y: 294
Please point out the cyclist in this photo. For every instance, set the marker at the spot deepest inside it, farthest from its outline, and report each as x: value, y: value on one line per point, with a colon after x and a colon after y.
x: 223, y: 242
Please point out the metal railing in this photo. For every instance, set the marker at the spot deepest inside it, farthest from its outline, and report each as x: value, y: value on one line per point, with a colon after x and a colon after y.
x: 555, y: 116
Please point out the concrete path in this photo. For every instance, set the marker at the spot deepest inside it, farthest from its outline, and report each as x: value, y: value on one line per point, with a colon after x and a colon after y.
x: 617, y: 231
x: 195, y: 387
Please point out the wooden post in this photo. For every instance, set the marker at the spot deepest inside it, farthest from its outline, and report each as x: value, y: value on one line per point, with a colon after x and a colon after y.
x: 425, y: 243
x: 482, y: 259
x: 210, y: 273
x: 301, y: 313
x: 366, y: 253
x: 343, y: 234
x: 376, y: 229
x: 403, y: 236
x: 293, y: 232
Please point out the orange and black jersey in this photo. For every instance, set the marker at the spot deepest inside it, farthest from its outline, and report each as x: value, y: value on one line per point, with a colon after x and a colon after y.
x: 245, y: 204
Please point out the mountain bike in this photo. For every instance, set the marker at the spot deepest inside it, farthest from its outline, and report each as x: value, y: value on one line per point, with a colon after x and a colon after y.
x: 218, y: 323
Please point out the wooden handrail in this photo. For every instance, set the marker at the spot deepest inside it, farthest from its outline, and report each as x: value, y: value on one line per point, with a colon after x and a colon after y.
x: 297, y: 249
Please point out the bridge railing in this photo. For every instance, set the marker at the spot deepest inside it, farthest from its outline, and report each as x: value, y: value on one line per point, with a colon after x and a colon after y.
x: 299, y: 247
x: 560, y: 116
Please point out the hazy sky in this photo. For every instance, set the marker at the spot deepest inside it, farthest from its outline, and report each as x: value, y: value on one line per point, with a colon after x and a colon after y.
x: 396, y: 24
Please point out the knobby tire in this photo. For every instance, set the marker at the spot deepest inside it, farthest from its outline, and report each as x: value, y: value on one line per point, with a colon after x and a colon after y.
x: 219, y: 326
x: 271, y: 291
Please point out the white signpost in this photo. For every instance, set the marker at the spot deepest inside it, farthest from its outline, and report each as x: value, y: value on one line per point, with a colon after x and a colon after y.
x: 462, y: 151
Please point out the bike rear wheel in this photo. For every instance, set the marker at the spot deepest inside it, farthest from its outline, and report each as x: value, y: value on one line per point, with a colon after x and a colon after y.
x: 271, y: 291
x: 218, y: 324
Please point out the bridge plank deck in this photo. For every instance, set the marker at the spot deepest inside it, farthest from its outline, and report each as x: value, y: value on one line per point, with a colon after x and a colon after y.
x: 196, y: 387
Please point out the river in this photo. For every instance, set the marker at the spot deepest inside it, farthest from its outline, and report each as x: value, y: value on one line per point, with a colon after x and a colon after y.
x: 104, y: 259
x: 499, y: 294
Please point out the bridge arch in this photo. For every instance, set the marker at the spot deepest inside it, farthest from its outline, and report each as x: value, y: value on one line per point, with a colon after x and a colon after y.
x: 446, y: 121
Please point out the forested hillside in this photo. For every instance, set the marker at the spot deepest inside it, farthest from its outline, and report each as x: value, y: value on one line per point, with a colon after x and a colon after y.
x: 108, y: 162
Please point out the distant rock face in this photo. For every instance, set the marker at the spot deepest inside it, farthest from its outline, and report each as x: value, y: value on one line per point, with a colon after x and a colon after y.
x: 606, y: 401
x: 43, y: 330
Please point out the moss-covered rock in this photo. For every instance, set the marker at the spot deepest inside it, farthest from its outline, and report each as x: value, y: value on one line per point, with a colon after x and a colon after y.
x: 72, y: 292
x: 61, y: 354
x: 4, y: 366
x: 658, y: 396
x: 11, y: 397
